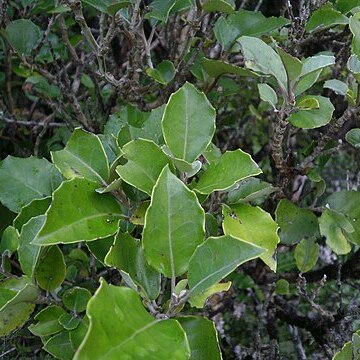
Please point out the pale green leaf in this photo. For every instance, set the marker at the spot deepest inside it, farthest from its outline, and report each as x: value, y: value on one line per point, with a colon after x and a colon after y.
x: 308, y: 103
x: 339, y: 87
x: 314, y: 118
x: 315, y: 63
x: 225, y: 6
x: 254, y: 225
x: 127, y: 255
x: 9, y: 241
x: 268, y: 94
x: 262, y: 58
x: 78, y: 213
x: 83, y: 156
x: 353, y: 137
x: 306, y: 254
x: 216, y: 258
x: 145, y: 162
x: 25, y: 179
x: 231, y: 167
x: 138, y: 334
x: 188, y: 123
x: 174, y: 225
x: 199, y: 300
x: 335, y: 226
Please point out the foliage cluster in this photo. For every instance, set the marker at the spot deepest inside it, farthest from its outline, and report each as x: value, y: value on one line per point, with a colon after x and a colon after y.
x: 179, y: 179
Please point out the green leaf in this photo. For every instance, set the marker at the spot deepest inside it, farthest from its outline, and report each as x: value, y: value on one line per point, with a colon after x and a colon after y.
x: 76, y: 299
x: 51, y: 269
x: 145, y: 162
x: 354, y: 24
x: 47, y: 321
x: 78, y: 213
x: 35, y: 208
x: 77, y: 335
x: 127, y: 255
x: 225, y: 6
x: 255, y: 226
x: 268, y: 94
x: 216, y: 258
x: 68, y: 321
x: 282, y: 287
x: 202, y: 336
x: 345, y: 353
x: 9, y: 241
x: 346, y: 6
x: 216, y: 68
x: 335, y: 226
x: 17, y: 308
x: 100, y: 248
x: 59, y: 346
x: 27, y: 252
x: 306, y: 82
x: 23, y: 35
x: 228, y: 30
x: 174, y: 225
x: 324, y: 17
x: 23, y: 180
x: 188, y: 123
x: 138, y: 334
x: 83, y: 156
x: 339, y: 87
x: 353, y: 137
x: 295, y: 223
x: 311, y: 119
x: 306, y: 254
x: 262, y: 58
x: 160, y: 9
x: 138, y: 217
x: 347, y: 202
x: 308, y: 103
x: 199, y: 300
x: 163, y: 73
x: 108, y: 6
x: 231, y: 167
x: 292, y: 65
x: 315, y: 63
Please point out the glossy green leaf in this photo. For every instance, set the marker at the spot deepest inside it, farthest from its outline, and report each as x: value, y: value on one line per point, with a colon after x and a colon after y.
x: 76, y: 299
x: 127, y: 255
x: 138, y: 334
x: 314, y: 118
x: 83, y: 156
x: 199, y: 300
x: 243, y: 22
x: 262, y: 58
x: 17, y: 308
x: 145, y: 162
x: 231, y: 167
x: 339, y: 87
x: 174, y: 225
x: 216, y: 68
x: 23, y: 180
x: 59, y: 346
x: 295, y: 223
x: 23, y: 35
x: 188, y: 123
x: 315, y: 63
x: 27, y: 252
x: 202, y: 336
x: 225, y: 6
x: 254, y: 225
x: 335, y: 226
x: 324, y: 17
x: 268, y: 94
x: 163, y: 73
x: 47, y: 321
x: 306, y: 254
x: 9, y: 240
x: 78, y: 213
x: 216, y: 258
x: 51, y: 269
x: 353, y: 137
x: 35, y: 208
